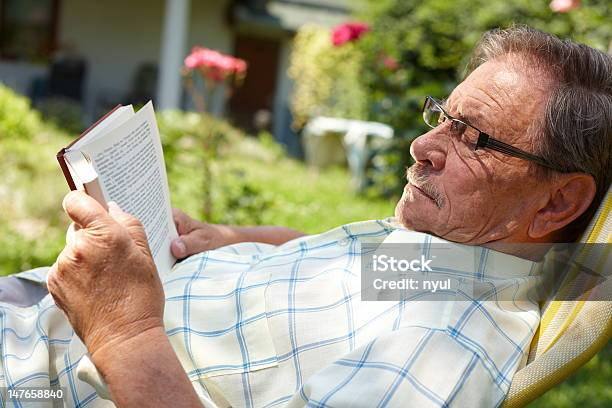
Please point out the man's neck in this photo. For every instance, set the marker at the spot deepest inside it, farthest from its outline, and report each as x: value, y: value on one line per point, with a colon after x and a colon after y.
x: 533, y: 251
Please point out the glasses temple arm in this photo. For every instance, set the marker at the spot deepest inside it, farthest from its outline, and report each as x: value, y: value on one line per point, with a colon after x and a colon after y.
x: 485, y: 140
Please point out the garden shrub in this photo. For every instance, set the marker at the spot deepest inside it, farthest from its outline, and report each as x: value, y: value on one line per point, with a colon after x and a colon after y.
x: 189, y: 139
x: 326, y: 78
x: 31, y: 187
x: 17, y: 120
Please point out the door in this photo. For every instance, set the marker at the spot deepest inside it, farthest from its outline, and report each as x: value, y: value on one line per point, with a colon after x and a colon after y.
x: 257, y: 92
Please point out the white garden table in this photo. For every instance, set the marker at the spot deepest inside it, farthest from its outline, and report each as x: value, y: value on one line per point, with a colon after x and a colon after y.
x: 328, y: 141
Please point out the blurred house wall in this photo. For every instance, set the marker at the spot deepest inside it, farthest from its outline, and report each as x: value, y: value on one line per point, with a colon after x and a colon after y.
x: 18, y: 75
x: 117, y: 38
x: 114, y: 37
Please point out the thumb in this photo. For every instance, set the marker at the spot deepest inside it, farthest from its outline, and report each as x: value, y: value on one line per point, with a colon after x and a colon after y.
x: 83, y: 209
x: 194, y: 242
x: 130, y: 223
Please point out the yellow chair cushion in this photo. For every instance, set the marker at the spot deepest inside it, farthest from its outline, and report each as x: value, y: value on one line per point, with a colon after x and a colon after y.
x: 570, y: 332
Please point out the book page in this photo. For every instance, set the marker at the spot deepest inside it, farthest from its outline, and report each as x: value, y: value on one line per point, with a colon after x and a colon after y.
x: 115, y: 119
x: 130, y: 166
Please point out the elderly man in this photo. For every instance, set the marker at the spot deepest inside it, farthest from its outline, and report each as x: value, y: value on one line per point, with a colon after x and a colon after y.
x: 518, y: 153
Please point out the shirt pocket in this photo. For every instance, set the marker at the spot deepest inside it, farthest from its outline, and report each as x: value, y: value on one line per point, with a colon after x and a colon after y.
x: 219, y: 326
x: 433, y: 310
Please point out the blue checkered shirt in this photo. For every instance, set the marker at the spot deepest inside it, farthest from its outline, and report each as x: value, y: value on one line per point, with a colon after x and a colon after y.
x: 258, y: 325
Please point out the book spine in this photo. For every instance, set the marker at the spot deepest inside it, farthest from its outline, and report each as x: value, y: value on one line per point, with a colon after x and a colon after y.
x: 62, y: 162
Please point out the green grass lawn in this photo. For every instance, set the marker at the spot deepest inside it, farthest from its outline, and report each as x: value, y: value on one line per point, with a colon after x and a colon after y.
x: 303, y: 198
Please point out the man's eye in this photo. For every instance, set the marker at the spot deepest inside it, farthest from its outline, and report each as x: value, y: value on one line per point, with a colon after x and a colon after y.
x: 457, y: 127
x: 470, y: 136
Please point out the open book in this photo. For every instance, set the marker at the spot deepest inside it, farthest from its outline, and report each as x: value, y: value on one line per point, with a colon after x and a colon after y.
x: 120, y: 159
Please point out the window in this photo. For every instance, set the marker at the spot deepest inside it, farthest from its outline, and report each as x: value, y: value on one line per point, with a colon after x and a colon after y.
x: 28, y: 29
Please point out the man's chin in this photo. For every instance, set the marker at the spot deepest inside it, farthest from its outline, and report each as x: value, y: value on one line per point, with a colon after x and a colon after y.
x: 406, y: 222
x: 410, y: 217
x: 403, y: 214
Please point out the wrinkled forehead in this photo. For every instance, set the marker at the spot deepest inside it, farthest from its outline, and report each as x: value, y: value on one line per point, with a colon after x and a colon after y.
x: 500, y: 98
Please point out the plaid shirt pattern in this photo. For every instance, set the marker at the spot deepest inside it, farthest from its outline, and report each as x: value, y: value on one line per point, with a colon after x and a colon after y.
x: 256, y: 325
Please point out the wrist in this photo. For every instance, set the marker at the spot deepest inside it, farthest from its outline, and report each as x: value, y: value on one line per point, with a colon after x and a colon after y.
x: 229, y: 235
x: 104, y: 349
x: 251, y: 234
x: 144, y: 370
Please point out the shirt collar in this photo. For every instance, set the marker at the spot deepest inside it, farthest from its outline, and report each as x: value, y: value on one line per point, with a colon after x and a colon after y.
x: 454, y: 256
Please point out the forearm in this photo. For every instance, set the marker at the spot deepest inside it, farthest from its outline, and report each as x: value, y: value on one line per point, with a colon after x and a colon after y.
x: 144, y: 371
x: 195, y: 236
x: 266, y: 234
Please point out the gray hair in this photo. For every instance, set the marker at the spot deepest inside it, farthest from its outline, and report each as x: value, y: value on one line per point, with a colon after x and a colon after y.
x: 576, y: 128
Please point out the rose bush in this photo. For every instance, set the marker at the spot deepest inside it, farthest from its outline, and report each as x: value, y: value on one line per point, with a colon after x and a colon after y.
x: 214, y: 65
x: 214, y: 69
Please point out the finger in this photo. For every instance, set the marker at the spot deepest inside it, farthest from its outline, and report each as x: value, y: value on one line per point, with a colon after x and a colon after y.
x: 178, y: 249
x: 83, y: 209
x: 189, y: 244
x: 184, y: 223
x: 130, y: 223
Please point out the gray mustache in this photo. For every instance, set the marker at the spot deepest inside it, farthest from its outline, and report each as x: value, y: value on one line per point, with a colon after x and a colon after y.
x: 419, y: 176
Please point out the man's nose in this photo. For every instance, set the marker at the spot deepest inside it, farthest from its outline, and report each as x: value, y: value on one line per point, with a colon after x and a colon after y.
x: 429, y: 149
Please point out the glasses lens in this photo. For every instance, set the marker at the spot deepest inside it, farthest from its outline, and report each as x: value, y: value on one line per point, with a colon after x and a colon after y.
x: 431, y: 113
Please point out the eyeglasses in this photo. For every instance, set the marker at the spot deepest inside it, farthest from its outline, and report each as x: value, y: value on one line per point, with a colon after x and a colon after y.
x: 434, y: 115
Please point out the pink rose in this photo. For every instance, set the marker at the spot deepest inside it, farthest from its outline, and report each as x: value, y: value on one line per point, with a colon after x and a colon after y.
x: 389, y: 62
x: 240, y: 66
x: 214, y: 65
x: 348, y: 32
x: 341, y: 35
x: 563, y: 6
x: 191, y: 61
x: 358, y: 29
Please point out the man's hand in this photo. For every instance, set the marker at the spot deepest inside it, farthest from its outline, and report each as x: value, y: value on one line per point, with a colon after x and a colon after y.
x: 106, y: 282
x: 195, y: 236
x: 105, y: 279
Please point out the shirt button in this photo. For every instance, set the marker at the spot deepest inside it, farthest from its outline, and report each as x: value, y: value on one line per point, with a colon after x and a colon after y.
x: 254, y: 260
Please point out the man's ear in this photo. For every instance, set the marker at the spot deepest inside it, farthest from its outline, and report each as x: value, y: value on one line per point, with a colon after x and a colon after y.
x: 571, y: 195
